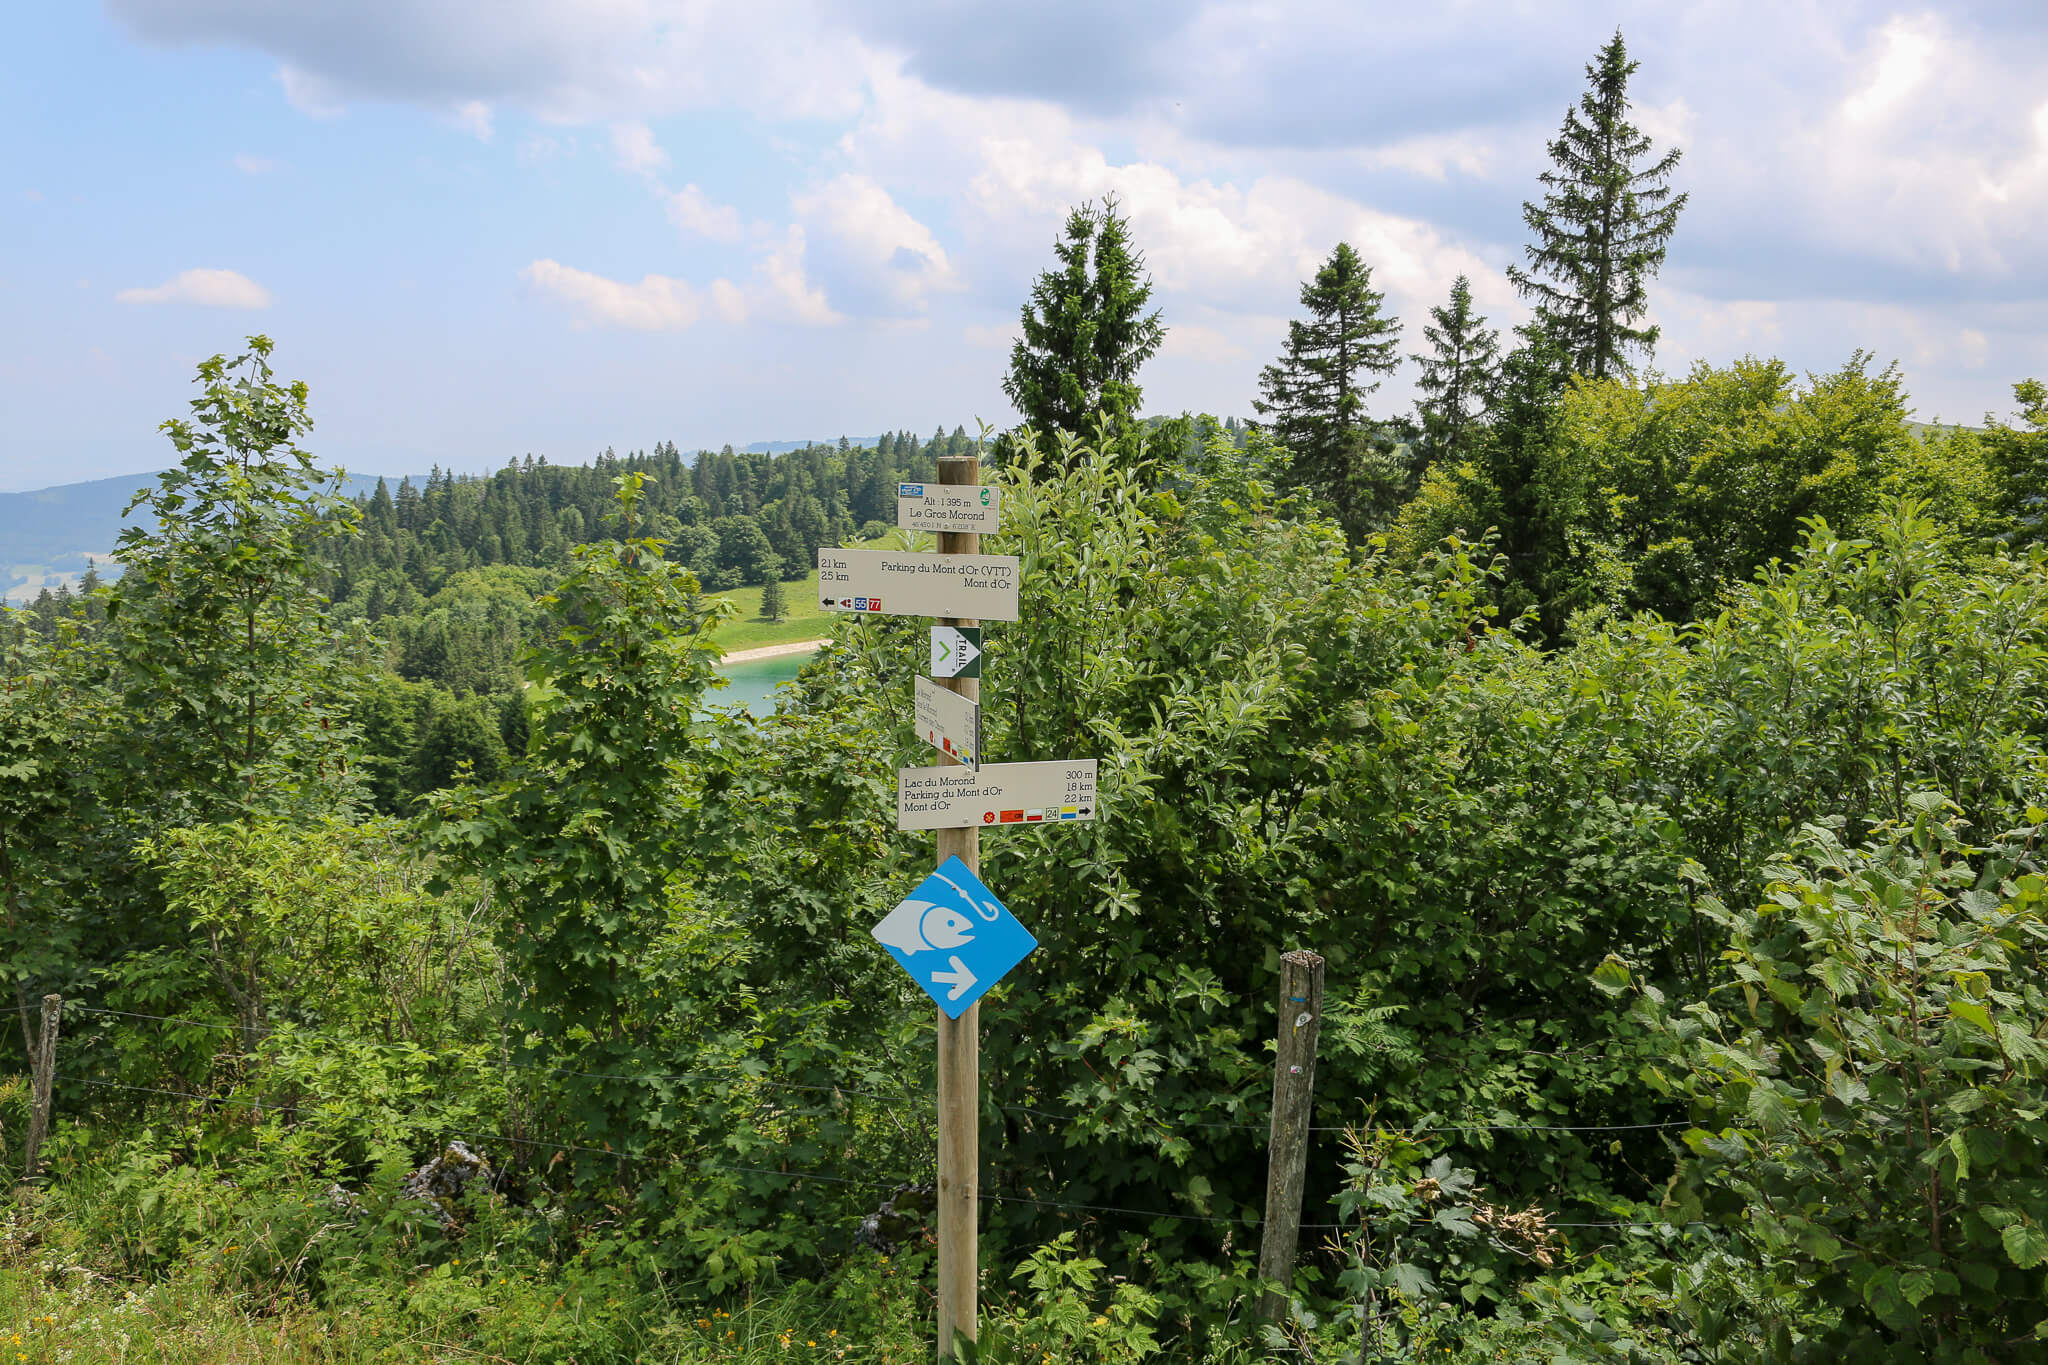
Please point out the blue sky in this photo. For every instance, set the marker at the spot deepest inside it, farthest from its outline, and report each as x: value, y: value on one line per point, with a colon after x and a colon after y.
x: 482, y: 228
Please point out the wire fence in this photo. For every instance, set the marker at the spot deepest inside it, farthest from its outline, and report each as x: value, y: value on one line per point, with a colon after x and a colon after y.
x: 870, y: 1181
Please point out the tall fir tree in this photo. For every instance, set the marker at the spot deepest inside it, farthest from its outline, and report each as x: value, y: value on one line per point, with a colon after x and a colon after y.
x: 1456, y: 374
x: 1315, y: 398
x: 1603, y: 227
x: 1086, y: 331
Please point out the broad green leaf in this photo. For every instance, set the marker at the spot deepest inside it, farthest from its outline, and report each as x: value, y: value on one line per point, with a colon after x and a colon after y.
x: 2026, y: 1244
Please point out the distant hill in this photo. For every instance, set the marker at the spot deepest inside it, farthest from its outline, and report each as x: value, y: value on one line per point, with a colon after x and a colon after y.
x: 49, y: 535
x: 784, y: 447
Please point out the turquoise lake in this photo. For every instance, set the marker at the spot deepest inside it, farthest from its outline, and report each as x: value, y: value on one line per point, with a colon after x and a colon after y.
x: 753, y: 684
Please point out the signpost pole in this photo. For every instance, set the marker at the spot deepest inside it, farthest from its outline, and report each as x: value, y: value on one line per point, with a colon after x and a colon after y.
x: 959, y: 1039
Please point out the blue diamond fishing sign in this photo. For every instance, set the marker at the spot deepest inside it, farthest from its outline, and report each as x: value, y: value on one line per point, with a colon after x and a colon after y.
x: 954, y: 937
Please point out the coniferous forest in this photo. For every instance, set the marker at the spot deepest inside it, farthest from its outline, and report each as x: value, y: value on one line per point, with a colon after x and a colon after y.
x: 1658, y: 762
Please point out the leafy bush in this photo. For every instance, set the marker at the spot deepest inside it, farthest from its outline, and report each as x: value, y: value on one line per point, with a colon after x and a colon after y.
x: 1870, y: 1083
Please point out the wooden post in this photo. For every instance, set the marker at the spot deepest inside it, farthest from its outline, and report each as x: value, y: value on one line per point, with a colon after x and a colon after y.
x: 1294, y: 1079
x: 959, y: 1039
x: 43, y: 1073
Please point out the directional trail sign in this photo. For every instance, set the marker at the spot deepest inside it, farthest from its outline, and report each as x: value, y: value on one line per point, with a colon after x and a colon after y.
x: 956, y: 651
x: 954, y: 937
x: 948, y: 507
x: 995, y: 795
x: 948, y: 721
x: 904, y: 583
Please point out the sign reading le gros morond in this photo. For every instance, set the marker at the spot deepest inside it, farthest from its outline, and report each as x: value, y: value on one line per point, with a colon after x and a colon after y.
x: 954, y: 937
x: 903, y: 583
x: 995, y: 794
x: 948, y: 507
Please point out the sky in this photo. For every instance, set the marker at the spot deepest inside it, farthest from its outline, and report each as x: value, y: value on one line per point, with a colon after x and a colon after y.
x: 486, y: 228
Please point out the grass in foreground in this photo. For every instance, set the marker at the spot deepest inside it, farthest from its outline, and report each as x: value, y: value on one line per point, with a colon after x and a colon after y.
x: 82, y: 1316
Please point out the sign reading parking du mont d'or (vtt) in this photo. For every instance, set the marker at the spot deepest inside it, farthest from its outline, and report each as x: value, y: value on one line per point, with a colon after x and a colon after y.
x: 948, y: 507
x: 904, y: 583
x: 954, y: 937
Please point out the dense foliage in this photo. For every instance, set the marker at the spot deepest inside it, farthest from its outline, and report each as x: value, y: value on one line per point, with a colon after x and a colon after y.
x: 1662, y: 783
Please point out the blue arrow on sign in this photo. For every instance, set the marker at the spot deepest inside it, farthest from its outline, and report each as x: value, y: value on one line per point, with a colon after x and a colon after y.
x: 954, y: 937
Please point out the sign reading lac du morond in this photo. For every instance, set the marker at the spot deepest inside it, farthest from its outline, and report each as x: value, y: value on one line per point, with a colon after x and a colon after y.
x: 995, y: 794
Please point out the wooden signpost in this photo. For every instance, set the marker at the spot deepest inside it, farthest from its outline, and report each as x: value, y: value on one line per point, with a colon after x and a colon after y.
x: 952, y: 934
x: 959, y: 1199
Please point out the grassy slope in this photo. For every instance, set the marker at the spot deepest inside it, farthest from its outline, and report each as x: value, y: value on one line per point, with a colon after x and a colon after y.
x: 801, y: 618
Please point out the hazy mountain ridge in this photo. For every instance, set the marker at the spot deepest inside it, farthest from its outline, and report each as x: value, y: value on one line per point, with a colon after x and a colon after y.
x: 49, y: 536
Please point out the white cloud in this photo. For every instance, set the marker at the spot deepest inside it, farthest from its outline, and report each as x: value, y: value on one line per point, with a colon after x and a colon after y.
x: 1885, y: 172
x: 875, y: 258
x: 1907, y: 49
x: 572, y: 60
x: 636, y: 150
x: 690, y: 210
x: 777, y: 291
x: 656, y: 304
x: 311, y: 94
x: 474, y: 118
x: 206, y: 288
x: 786, y: 287
x: 254, y: 165
x: 1210, y: 345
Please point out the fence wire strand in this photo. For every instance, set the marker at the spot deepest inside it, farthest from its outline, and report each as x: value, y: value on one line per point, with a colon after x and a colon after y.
x: 746, y: 1079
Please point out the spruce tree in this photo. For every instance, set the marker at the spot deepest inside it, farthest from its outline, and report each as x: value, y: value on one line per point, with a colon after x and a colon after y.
x: 774, y: 604
x: 1464, y: 354
x: 1607, y: 215
x: 1086, y: 331
x: 1315, y: 398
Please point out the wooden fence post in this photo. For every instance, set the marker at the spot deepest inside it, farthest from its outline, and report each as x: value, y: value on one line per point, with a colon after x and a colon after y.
x: 44, y: 1065
x: 1294, y: 1078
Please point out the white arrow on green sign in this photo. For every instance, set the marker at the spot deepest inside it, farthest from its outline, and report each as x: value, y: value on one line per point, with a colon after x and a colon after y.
x: 956, y: 651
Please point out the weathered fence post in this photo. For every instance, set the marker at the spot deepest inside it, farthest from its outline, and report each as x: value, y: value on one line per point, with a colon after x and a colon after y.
x: 44, y: 1072
x: 1294, y: 1078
